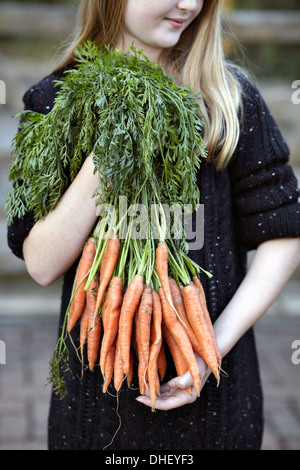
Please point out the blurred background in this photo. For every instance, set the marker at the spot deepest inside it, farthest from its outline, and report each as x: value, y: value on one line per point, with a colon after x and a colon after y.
x: 261, y: 35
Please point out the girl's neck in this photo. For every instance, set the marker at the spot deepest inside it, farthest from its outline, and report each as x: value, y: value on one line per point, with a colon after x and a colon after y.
x: 152, y: 53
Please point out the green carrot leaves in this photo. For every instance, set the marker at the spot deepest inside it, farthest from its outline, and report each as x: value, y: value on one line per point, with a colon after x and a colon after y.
x: 127, y: 111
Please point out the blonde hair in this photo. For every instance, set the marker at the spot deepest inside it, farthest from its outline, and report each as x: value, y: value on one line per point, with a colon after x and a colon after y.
x: 197, y: 60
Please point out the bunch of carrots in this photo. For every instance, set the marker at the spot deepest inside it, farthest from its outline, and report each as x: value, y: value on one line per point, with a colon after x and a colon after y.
x: 132, y: 296
x: 135, y: 316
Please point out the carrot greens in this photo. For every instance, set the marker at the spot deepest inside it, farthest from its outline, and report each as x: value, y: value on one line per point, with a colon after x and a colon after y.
x: 132, y: 116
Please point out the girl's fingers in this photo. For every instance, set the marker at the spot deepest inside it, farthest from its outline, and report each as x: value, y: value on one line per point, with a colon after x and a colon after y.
x: 186, y: 380
x: 164, y: 388
x: 173, y: 394
x: 171, y: 397
x: 170, y: 400
x: 181, y: 382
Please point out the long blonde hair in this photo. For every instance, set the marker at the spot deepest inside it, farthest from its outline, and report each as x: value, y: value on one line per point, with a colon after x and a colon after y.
x: 198, y: 61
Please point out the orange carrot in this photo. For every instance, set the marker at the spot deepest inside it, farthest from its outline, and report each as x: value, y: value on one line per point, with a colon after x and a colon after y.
x: 161, y: 362
x: 104, y: 258
x: 130, y: 373
x: 181, y: 337
x: 179, y: 305
x: 144, y: 324
x: 94, y: 329
x: 112, y: 314
x: 142, y: 366
x: 79, y: 299
x: 198, y: 322
x: 142, y: 374
x: 130, y: 303
x: 109, y: 368
x: 118, y: 368
x: 83, y: 330
x: 111, y: 254
x: 179, y: 361
x: 157, y: 384
x: 161, y: 258
x: 199, y: 285
x: 156, y: 342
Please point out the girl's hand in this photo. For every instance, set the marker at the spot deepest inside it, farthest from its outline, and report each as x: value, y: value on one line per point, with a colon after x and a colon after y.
x: 173, y: 393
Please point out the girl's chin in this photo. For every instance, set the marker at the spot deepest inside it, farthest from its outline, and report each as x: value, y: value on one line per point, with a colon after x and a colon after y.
x: 154, y: 48
x: 172, y: 41
x: 165, y: 43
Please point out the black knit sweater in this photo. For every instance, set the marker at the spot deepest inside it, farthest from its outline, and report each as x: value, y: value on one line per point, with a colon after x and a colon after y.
x: 255, y: 199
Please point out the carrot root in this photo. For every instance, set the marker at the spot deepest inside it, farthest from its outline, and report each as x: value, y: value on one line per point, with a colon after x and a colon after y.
x: 200, y: 327
x: 78, y: 301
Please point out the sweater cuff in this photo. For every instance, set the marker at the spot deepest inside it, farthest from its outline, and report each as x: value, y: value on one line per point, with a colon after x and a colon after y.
x: 284, y: 222
x: 17, y: 232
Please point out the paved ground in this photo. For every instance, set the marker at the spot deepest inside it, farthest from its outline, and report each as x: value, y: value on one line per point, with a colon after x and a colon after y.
x: 281, y: 381
x: 29, y: 343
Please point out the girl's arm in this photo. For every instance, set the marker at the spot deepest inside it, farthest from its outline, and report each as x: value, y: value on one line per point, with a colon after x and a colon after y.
x: 55, y: 242
x: 273, y: 264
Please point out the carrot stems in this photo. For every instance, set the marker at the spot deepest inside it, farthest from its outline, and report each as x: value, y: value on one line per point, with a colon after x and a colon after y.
x: 100, y: 247
x: 178, y: 268
x: 192, y: 266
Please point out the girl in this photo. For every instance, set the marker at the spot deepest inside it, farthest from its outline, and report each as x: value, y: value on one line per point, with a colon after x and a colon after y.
x: 251, y: 203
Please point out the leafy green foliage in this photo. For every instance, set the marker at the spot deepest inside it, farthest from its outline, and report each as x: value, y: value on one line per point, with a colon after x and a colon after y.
x: 138, y: 123
x: 58, y: 367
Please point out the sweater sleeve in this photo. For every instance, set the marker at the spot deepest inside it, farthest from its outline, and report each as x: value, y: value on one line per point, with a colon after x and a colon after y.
x: 264, y: 187
x: 39, y: 98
